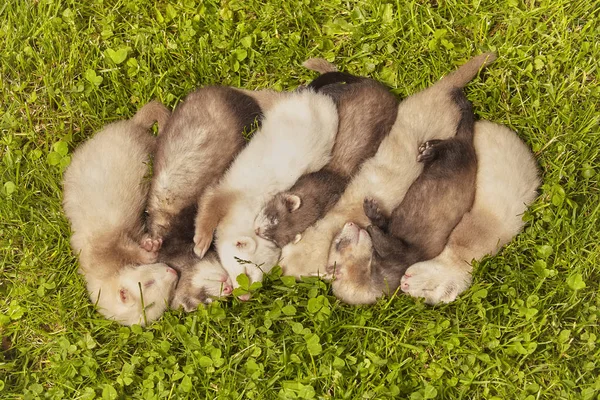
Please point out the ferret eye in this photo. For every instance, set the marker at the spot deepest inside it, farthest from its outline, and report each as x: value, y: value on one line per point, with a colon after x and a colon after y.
x: 149, y: 283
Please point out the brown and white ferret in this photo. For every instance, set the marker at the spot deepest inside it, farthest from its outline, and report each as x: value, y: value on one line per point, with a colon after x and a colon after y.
x: 507, y: 182
x: 105, y: 191
x: 367, y: 111
x: 200, y: 280
x: 431, y: 114
x: 418, y: 228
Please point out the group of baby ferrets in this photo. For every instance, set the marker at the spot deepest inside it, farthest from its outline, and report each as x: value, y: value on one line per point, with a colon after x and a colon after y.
x: 337, y: 179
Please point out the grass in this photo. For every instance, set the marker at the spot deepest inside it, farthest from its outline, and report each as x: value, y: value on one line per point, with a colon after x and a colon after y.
x: 527, y: 329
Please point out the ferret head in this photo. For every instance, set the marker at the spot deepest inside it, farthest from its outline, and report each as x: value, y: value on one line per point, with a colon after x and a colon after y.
x: 273, y: 222
x: 250, y: 254
x: 206, y: 280
x: 350, y: 265
x: 120, y: 297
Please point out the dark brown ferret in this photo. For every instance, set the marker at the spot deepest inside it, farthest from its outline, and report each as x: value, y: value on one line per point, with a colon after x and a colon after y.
x: 200, y: 140
x: 418, y: 229
x: 367, y: 111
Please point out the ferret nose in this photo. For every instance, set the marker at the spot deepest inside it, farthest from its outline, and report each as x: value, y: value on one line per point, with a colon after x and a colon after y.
x: 350, y: 223
x: 171, y: 270
x: 227, y: 290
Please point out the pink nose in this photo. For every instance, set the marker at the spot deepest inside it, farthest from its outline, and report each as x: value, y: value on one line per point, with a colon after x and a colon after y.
x: 171, y: 270
x: 227, y: 290
x: 350, y: 223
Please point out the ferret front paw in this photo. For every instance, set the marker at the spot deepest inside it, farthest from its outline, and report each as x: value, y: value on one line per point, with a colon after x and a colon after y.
x: 151, y: 245
x: 434, y: 284
x: 428, y: 151
x: 202, y: 242
x: 373, y: 212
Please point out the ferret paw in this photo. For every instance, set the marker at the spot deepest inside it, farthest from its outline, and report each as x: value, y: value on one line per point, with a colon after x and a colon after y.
x: 427, y: 151
x: 202, y: 243
x: 373, y: 212
x: 434, y: 284
x: 151, y: 245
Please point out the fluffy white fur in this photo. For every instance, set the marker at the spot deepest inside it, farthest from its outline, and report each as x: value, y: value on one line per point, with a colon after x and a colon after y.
x: 296, y: 137
x: 104, y: 198
x: 507, y: 180
x: 427, y: 115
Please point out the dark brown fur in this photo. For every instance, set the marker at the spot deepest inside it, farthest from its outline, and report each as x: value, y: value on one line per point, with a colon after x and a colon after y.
x: 178, y: 252
x: 367, y: 112
x: 418, y: 229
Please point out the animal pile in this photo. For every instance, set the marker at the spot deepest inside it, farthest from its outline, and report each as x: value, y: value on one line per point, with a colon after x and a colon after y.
x: 339, y: 180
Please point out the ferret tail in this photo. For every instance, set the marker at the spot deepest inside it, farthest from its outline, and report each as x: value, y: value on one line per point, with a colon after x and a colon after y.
x: 329, y: 73
x: 467, y: 71
x: 320, y: 65
x: 150, y: 113
x: 330, y: 78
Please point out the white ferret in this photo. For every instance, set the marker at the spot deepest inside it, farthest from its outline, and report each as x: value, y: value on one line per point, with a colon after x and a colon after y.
x: 296, y: 137
x: 105, y: 191
x: 507, y: 180
x: 427, y: 115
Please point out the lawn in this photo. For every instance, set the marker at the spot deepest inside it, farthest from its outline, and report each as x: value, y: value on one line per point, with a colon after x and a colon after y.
x: 527, y: 328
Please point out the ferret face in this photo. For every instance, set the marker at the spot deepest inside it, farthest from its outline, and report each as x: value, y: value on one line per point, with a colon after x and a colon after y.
x: 350, y: 254
x: 274, y: 220
x: 206, y: 281
x: 251, y: 255
x: 351, y: 259
x: 121, y: 298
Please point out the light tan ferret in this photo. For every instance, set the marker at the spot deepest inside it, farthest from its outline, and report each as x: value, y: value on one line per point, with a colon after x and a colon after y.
x: 105, y: 191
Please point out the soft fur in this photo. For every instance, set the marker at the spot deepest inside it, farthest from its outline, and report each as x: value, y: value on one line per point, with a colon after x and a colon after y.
x: 419, y: 227
x: 428, y: 115
x: 296, y: 137
x: 200, y: 280
x: 507, y: 180
x: 200, y: 141
x: 105, y: 190
x: 367, y: 111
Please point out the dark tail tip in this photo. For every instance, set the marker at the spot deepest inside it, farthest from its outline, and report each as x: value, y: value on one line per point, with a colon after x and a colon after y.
x: 330, y: 78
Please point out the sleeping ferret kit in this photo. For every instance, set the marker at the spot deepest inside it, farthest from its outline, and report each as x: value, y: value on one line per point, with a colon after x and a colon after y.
x: 339, y: 179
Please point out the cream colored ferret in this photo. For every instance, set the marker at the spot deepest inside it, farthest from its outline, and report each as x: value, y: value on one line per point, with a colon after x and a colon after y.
x: 105, y: 190
x: 296, y: 137
x: 507, y: 180
x: 428, y: 115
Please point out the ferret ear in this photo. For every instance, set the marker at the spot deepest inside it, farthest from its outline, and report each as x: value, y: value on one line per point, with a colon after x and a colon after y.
x: 292, y: 202
x: 245, y: 244
x: 123, y: 295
